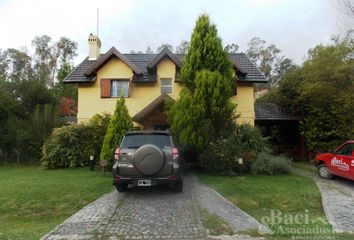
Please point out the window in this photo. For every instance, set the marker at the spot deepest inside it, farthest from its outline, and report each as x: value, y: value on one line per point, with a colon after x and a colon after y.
x: 135, y: 141
x: 166, y: 85
x: 119, y: 88
x: 346, y: 150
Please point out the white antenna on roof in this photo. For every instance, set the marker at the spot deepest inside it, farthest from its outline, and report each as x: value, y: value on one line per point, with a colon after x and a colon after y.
x: 98, y: 20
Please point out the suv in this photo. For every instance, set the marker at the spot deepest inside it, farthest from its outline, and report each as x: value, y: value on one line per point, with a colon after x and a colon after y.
x: 339, y: 163
x: 147, y: 158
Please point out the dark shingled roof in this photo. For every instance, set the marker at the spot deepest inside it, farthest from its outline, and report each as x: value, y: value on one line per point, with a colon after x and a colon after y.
x: 113, y: 52
x: 272, y: 112
x: 247, y: 71
x: 253, y: 73
x: 165, y: 53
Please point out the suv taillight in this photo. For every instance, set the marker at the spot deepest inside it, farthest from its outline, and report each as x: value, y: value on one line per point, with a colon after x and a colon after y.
x: 117, y: 153
x: 174, y: 153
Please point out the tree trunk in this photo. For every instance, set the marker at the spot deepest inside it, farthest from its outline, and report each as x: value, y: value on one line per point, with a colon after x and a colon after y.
x: 18, y: 153
x: 5, y: 163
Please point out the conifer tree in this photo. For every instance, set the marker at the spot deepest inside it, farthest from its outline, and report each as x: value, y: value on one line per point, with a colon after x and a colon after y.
x: 203, y: 112
x: 205, y: 53
x: 119, y: 124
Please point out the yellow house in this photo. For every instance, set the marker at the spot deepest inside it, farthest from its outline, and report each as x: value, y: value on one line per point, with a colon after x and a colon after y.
x: 146, y: 80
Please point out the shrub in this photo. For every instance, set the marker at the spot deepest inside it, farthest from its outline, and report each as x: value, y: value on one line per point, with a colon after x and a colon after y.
x: 268, y: 164
x: 119, y: 124
x: 222, y: 155
x: 71, y: 146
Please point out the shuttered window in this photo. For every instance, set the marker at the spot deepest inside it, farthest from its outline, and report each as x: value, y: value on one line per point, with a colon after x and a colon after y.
x: 166, y: 85
x: 105, y: 88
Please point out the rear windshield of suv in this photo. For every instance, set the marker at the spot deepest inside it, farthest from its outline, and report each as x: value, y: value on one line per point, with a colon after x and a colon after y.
x: 135, y: 141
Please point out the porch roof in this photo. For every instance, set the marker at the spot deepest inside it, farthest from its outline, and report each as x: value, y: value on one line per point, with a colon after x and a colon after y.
x: 150, y: 107
x: 272, y: 112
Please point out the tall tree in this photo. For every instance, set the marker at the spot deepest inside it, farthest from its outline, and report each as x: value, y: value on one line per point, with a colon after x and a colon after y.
x: 203, y: 111
x: 164, y: 45
x: 281, y: 67
x: 205, y: 52
x: 15, y: 65
x: 119, y: 124
x: 321, y: 90
x: 232, y: 48
x: 263, y: 55
x: 50, y: 56
x: 65, y: 90
x: 149, y: 50
x: 183, y: 47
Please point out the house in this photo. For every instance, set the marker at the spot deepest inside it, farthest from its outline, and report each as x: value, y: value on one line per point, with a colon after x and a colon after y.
x: 146, y: 81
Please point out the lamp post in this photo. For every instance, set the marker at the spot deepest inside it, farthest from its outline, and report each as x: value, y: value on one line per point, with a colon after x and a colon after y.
x: 92, y: 163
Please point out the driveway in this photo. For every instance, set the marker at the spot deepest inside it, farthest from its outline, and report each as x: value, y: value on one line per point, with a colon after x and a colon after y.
x: 337, y: 200
x: 153, y: 213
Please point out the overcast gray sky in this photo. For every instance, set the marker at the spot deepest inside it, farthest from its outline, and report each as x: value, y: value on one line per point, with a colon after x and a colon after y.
x: 293, y: 25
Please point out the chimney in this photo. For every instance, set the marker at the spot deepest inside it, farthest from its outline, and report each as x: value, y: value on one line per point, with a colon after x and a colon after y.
x: 94, y: 47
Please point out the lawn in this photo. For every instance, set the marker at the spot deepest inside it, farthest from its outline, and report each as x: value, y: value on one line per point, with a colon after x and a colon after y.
x: 33, y: 200
x: 306, y: 166
x: 259, y: 195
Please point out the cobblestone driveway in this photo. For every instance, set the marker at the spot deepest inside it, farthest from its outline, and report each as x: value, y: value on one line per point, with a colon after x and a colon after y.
x: 337, y: 201
x: 155, y: 213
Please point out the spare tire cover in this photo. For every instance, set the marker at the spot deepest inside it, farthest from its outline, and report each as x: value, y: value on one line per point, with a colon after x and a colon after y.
x: 148, y: 159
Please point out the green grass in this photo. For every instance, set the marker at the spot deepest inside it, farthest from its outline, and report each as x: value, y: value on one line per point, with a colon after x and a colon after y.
x: 33, y: 200
x: 309, y: 167
x: 259, y: 195
x: 215, y: 224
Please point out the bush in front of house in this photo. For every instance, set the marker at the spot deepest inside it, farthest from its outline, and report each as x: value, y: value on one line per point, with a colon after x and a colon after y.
x: 72, y: 145
x: 268, y: 164
x: 120, y: 123
x: 222, y: 156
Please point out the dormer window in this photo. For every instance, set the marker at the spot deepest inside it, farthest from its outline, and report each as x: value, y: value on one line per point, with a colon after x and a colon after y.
x: 166, y: 85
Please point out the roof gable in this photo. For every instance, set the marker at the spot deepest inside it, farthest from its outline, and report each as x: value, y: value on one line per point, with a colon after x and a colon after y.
x: 165, y: 52
x: 150, y: 107
x: 113, y: 52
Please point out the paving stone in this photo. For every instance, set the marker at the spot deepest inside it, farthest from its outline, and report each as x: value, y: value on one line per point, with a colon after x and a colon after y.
x: 152, y: 213
x: 337, y: 200
x: 217, y: 204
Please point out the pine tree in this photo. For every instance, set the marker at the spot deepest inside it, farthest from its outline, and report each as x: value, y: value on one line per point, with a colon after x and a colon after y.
x: 119, y: 124
x: 203, y: 112
x: 205, y: 53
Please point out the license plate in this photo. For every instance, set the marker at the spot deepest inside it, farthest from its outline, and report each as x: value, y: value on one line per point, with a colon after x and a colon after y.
x: 144, y: 183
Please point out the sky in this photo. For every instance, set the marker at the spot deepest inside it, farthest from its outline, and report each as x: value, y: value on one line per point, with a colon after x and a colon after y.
x: 293, y: 25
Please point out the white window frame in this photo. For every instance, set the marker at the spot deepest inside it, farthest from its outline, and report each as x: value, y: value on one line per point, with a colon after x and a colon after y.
x: 166, y: 86
x: 115, y: 88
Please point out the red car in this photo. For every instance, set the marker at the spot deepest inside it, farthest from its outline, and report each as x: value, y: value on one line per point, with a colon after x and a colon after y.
x: 340, y: 163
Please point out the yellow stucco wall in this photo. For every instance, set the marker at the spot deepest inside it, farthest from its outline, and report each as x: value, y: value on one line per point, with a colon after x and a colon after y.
x: 142, y: 94
x: 245, y: 103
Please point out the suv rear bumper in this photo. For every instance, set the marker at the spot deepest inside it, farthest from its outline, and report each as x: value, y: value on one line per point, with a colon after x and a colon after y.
x: 154, y: 180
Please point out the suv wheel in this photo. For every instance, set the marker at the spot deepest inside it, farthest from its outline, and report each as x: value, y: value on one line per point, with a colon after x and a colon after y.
x: 178, y: 186
x: 122, y: 187
x: 324, y: 172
